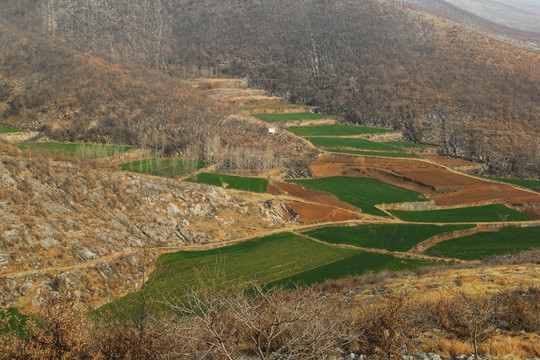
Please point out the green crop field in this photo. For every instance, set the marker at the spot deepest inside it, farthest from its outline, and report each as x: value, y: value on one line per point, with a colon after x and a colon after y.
x: 487, y: 244
x: 352, y: 143
x: 280, y: 106
x: 163, y: 167
x: 363, y: 193
x: 4, y: 129
x: 11, y: 320
x: 489, y: 213
x: 355, y: 265
x: 407, y: 145
x: 271, y: 118
x: 258, y: 185
x: 392, y: 237
x: 82, y: 151
x: 267, y: 260
x: 334, y: 130
x: 375, y: 153
x: 529, y: 184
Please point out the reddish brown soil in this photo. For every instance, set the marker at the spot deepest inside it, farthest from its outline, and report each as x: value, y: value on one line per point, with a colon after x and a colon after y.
x: 273, y: 190
x: 312, y: 213
x: 535, y: 214
x: 444, y: 186
x: 448, y: 161
x: 312, y: 196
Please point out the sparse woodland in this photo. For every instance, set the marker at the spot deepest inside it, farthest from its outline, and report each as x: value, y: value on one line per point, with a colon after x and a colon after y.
x: 374, y: 62
x: 317, y: 323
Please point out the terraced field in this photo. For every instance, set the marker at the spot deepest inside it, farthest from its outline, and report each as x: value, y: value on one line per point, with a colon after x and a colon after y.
x: 163, y: 167
x: 488, y: 244
x: 281, y: 258
x: 272, y: 118
x: 334, y: 130
x: 489, y: 213
x: 529, y: 184
x: 362, y: 144
x: 277, y: 106
x: 363, y: 193
x: 5, y: 129
x: 392, y: 237
x: 82, y: 151
x: 375, y: 153
x: 258, y: 185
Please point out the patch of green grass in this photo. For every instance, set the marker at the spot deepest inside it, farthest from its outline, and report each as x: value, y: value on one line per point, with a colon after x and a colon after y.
x: 334, y: 130
x: 363, y: 193
x: 271, y: 118
x: 355, y: 265
x: 163, y: 167
x: 392, y: 237
x: 258, y: 185
x: 274, y: 259
x: 266, y: 260
x: 487, y: 244
x: 82, y: 151
x: 375, y: 153
x: 488, y: 213
x: 280, y: 106
x: 12, y: 320
x: 4, y: 129
x: 352, y: 143
x: 529, y: 184
x: 407, y: 145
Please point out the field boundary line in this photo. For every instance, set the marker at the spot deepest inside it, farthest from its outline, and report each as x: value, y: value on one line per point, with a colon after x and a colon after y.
x: 398, y: 254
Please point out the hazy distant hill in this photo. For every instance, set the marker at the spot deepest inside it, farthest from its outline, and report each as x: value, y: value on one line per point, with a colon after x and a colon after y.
x: 518, y: 14
x: 373, y: 62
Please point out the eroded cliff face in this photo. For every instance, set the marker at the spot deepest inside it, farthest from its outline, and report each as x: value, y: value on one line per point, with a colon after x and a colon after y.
x: 95, y: 231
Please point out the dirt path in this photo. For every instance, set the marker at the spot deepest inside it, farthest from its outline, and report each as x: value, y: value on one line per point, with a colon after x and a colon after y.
x: 86, y: 264
x: 434, y: 240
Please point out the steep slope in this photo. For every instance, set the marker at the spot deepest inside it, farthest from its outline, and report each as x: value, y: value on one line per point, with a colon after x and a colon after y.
x: 74, y: 96
x: 99, y: 229
x: 375, y: 62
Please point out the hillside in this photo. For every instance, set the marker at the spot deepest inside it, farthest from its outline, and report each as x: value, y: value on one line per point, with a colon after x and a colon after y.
x: 372, y: 62
x: 477, y: 21
x: 65, y: 221
x: 68, y: 95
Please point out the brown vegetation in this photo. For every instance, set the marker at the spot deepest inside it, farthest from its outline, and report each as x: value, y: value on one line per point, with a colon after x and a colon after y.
x: 214, y: 322
x: 373, y: 62
x: 91, y: 225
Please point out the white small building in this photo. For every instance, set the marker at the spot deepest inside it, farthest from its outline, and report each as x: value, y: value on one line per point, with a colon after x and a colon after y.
x: 272, y: 130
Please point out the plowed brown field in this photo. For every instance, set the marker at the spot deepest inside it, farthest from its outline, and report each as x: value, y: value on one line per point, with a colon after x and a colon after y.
x: 442, y: 185
x: 313, y: 213
x: 311, y: 196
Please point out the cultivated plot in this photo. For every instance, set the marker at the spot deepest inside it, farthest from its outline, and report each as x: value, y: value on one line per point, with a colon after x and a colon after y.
x: 488, y: 213
x: 364, y: 193
x: 334, y: 130
x: 82, y: 151
x: 352, y: 144
x: 374, y: 153
x: 272, y: 118
x: 392, y: 237
x: 487, y: 244
x: 258, y: 185
x: 5, y: 129
x: 283, y: 258
x: 163, y: 167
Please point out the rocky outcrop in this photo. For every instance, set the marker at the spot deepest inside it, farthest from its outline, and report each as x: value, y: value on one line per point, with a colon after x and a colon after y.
x: 76, y: 223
